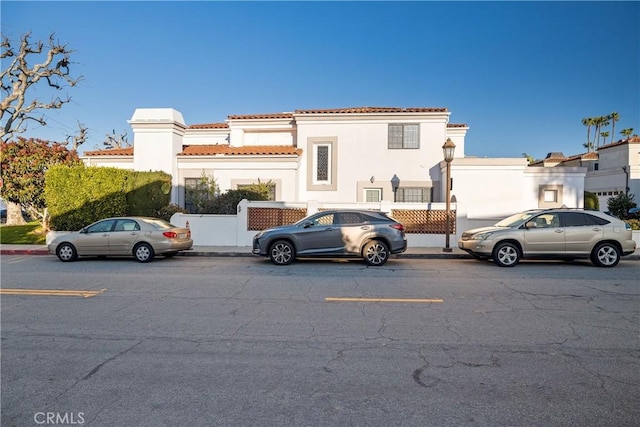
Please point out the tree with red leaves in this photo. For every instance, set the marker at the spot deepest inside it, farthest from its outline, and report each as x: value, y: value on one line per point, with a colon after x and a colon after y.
x: 24, y: 163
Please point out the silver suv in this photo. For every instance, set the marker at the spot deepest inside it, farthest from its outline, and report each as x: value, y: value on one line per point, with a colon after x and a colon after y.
x: 552, y: 233
x: 340, y: 233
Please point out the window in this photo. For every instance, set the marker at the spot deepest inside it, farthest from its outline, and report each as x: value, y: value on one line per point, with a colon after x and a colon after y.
x: 345, y: 218
x: 127, y: 225
x: 372, y: 194
x: 326, y: 219
x: 404, y: 136
x: 551, y: 196
x: 413, y: 195
x: 102, y: 226
x: 197, y: 191
x: 322, y: 163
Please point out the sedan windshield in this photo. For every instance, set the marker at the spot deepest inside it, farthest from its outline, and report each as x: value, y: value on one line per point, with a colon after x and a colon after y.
x: 516, y: 220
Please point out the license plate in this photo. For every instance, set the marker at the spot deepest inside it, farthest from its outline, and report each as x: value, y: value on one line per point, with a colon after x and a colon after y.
x: 182, y: 235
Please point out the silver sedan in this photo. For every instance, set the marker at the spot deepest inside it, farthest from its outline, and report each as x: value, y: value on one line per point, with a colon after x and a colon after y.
x: 140, y: 237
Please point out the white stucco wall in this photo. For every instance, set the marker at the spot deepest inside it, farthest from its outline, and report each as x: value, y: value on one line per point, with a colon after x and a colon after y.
x: 363, y: 153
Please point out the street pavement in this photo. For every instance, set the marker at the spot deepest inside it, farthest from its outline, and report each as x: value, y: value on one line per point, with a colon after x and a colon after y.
x: 239, y: 251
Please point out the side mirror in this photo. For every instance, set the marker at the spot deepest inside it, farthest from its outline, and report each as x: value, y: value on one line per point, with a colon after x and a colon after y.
x: 83, y: 230
x: 530, y: 224
x: 307, y: 224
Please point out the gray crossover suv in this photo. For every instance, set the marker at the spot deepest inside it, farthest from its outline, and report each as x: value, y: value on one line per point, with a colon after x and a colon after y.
x: 339, y: 233
x: 552, y: 233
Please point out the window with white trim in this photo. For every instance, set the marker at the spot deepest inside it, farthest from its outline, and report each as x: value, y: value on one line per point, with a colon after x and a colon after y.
x: 372, y: 194
x: 413, y: 195
x: 404, y: 136
x: 322, y: 164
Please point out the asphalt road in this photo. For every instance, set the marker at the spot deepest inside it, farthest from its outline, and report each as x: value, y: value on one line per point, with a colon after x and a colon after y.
x: 239, y: 342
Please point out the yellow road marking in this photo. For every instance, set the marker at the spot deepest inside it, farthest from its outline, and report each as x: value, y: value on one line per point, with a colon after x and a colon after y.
x: 51, y: 292
x: 419, y: 300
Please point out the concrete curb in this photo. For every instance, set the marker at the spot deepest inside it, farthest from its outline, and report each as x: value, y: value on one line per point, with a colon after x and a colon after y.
x: 414, y: 253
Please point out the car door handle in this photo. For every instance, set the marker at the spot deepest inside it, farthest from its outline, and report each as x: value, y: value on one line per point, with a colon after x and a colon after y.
x: 559, y: 230
x: 364, y: 227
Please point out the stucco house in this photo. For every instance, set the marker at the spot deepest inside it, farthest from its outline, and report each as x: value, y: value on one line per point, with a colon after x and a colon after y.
x: 346, y: 155
x: 611, y: 169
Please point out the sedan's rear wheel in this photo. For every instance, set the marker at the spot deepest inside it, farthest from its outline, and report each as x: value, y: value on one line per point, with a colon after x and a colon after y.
x: 282, y: 253
x: 143, y: 252
x: 605, y: 255
x: 506, y: 254
x: 66, y: 252
x: 375, y: 253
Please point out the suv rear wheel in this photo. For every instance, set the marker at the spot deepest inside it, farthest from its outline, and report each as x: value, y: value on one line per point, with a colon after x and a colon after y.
x: 605, y: 255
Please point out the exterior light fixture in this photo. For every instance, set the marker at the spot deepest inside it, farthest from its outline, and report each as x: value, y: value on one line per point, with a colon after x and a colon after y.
x: 395, y: 184
x: 448, y: 150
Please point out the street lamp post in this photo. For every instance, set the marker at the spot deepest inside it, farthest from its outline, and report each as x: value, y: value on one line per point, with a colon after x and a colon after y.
x: 448, y: 149
x: 395, y: 184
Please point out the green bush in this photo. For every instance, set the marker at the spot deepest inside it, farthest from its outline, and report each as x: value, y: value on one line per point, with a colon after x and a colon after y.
x: 77, y: 196
x: 166, y: 212
x: 634, y: 223
x: 620, y: 204
x: 226, y: 204
x: 591, y: 201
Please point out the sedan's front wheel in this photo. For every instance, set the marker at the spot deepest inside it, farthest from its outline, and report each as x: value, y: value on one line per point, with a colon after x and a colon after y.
x: 282, y: 253
x: 143, y: 252
x: 66, y: 252
x: 375, y: 253
x: 506, y: 254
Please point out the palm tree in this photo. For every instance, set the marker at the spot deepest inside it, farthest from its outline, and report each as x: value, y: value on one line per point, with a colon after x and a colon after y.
x: 605, y: 135
x: 626, y: 133
x: 601, y: 122
x: 588, y: 122
x: 614, y: 118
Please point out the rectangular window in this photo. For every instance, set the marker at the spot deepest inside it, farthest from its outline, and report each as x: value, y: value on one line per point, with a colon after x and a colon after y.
x: 413, y: 195
x: 372, y: 194
x: 322, y: 164
x: 551, y: 196
x: 404, y: 136
x: 195, y: 189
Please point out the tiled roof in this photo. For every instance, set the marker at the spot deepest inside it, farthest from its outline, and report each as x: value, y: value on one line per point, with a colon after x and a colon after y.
x: 209, y: 126
x: 261, y: 116
x: 354, y: 110
x: 632, y: 140
x: 249, y: 150
x: 367, y: 110
x: 111, y: 152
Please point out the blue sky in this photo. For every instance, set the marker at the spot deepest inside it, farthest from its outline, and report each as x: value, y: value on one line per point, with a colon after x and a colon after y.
x: 521, y: 75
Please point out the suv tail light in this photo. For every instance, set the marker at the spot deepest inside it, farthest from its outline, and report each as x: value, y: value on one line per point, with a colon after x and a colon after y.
x: 398, y: 227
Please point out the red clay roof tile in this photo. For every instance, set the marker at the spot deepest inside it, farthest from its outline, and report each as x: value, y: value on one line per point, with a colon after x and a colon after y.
x: 209, y: 126
x: 111, y: 152
x: 368, y: 110
x: 250, y: 150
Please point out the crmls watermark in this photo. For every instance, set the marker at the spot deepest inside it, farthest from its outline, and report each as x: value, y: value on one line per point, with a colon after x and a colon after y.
x: 59, y: 418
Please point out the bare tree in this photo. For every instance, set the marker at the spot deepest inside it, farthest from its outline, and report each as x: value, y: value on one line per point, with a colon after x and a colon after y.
x: 18, y: 76
x: 74, y: 141
x: 116, y: 141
